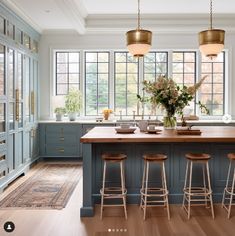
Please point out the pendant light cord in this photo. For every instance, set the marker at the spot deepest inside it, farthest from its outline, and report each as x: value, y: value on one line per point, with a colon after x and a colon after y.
x: 138, y: 14
x: 211, y: 14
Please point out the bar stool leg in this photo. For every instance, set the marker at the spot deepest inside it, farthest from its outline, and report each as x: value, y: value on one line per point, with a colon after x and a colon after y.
x: 190, y: 186
x: 146, y: 190
x: 204, y: 184
x: 142, y: 188
x: 226, y: 187
x: 123, y: 188
x: 163, y: 183
x: 210, y: 190
x: 231, y: 195
x: 166, y: 190
x: 185, y: 183
x: 102, y: 194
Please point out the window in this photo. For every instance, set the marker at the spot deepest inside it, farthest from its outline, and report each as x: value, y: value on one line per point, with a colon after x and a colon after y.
x: 96, y: 82
x: 184, y: 71
x: 212, y: 92
x: 2, y: 70
x: 126, y: 77
x: 67, y: 72
x: 112, y: 79
x: 155, y: 64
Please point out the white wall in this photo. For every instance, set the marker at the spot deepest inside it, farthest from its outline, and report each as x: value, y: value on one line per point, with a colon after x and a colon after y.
x: 117, y: 41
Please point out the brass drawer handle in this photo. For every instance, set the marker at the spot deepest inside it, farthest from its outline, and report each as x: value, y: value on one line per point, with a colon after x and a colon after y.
x: 61, y: 150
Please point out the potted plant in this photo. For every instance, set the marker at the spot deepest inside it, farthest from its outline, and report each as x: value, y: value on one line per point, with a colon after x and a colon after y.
x: 59, y: 112
x: 73, y: 103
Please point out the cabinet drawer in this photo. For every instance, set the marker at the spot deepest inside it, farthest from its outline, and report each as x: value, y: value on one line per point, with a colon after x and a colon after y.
x: 61, y: 129
x: 61, y: 150
x: 67, y: 138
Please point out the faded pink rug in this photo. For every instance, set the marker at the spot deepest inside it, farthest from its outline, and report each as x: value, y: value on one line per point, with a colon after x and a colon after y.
x: 50, y: 187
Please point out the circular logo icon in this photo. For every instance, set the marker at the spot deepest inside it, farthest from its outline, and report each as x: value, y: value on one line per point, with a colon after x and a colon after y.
x: 9, y: 226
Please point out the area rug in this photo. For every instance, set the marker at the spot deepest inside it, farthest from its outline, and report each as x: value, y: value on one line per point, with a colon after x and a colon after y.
x: 50, y: 187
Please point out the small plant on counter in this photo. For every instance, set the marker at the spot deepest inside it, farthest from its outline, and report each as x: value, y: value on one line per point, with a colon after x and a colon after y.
x: 106, y: 113
x: 73, y: 103
x: 59, y: 111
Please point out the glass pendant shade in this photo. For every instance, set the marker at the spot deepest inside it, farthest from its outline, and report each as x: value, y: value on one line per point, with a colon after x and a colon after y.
x: 211, y: 42
x: 139, y: 42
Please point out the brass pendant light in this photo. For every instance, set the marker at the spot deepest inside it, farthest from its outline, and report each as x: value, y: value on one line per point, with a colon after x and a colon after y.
x: 139, y: 40
x: 211, y: 41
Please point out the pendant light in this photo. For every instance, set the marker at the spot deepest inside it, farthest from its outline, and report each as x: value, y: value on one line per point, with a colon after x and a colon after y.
x: 139, y: 40
x: 211, y: 41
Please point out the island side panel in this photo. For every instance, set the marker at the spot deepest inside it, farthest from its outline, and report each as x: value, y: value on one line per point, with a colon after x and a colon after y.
x: 87, y: 209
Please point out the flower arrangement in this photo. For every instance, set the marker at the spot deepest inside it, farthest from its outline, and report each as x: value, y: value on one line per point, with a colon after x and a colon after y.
x: 170, y: 96
x: 106, y: 113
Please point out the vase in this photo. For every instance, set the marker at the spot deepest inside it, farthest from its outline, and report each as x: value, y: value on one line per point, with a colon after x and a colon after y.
x: 106, y: 116
x: 58, y: 117
x: 169, y: 122
x: 72, y: 116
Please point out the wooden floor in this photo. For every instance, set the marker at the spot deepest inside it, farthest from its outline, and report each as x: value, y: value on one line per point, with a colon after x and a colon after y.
x: 67, y: 222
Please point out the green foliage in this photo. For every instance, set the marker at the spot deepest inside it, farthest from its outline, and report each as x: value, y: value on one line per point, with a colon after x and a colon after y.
x: 73, y: 101
x: 60, y: 110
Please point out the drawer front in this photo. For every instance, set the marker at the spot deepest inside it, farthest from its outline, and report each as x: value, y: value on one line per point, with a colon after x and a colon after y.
x: 52, y: 150
x: 61, y: 129
x: 66, y: 139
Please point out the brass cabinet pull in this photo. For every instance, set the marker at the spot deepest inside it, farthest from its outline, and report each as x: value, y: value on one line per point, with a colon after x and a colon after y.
x: 61, y: 150
x: 17, y: 105
x: 33, y: 133
x: 32, y: 103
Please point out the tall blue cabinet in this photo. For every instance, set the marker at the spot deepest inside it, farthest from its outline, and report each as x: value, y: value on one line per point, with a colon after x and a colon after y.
x: 19, y: 139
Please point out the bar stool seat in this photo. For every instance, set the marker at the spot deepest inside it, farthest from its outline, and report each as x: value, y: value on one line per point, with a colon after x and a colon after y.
x: 113, y: 192
x: 159, y: 193
x: 229, y: 192
x: 197, y: 156
x: 197, y: 194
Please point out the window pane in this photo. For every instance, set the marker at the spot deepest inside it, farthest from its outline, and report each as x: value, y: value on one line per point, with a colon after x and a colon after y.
x: 2, y: 117
x: 96, y: 82
x: 11, y: 73
x: 2, y: 70
x: 126, y: 83
x: 67, y: 72
x: 212, y: 90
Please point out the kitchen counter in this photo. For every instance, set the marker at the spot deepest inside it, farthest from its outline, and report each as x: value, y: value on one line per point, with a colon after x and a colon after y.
x: 216, y: 141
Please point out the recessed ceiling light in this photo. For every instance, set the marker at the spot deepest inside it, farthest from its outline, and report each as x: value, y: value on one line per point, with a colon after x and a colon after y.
x: 47, y: 11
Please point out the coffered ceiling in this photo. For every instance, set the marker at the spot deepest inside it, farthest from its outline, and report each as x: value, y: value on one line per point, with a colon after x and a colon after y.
x: 84, y: 16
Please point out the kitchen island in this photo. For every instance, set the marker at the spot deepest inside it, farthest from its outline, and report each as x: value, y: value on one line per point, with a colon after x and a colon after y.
x: 217, y: 141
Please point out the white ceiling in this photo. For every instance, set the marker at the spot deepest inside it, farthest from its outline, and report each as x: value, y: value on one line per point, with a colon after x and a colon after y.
x: 90, y: 15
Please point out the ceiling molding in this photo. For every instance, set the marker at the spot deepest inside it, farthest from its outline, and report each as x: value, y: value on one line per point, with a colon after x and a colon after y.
x: 73, y: 13
x: 81, y: 8
x: 161, y: 23
x: 20, y: 12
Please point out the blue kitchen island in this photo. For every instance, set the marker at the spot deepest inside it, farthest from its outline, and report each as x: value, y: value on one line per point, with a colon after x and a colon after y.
x: 217, y: 141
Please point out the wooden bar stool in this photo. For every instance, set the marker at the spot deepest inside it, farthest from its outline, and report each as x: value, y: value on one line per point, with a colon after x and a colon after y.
x: 160, y: 192
x: 229, y: 189
x: 197, y: 194
x: 113, y: 192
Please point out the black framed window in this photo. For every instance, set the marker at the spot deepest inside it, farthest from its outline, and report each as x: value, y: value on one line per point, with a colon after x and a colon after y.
x: 155, y: 64
x: 184, y: 71
x: 97, y: 75
x: 212, y: 92
x: 67, y: 71
x: 126, y: 80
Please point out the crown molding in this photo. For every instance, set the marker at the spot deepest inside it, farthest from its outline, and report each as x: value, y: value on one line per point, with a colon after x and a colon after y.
x: 74, y: 14
x: 20, y: 12
x: 161, y: 23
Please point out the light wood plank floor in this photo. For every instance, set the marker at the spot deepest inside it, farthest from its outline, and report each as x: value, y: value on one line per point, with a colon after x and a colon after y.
x: 67, y: 222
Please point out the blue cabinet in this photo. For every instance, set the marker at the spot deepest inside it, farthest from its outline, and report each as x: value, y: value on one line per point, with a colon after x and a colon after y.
x: 60, y: 140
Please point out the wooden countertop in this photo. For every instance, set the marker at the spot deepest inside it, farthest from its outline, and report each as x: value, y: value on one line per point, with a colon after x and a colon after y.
x: 209, y: 134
